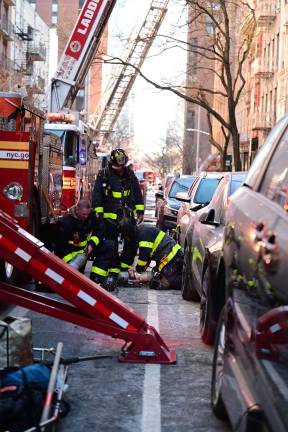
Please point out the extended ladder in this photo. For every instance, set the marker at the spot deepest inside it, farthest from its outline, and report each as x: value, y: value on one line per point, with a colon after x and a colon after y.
x: 105, y: 118
x: 90, y: 305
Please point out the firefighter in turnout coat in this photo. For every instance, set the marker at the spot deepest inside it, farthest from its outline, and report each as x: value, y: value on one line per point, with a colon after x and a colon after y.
x: 79, y: 235
x: 156, y: 245
x: 117, y: 196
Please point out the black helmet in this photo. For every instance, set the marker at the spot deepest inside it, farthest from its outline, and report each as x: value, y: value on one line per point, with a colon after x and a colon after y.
x: 118, y: 158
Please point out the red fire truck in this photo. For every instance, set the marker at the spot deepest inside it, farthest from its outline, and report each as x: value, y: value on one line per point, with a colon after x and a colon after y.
x: 30, y: 167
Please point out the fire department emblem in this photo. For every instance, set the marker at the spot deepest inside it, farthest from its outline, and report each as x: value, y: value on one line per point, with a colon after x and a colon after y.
x: 75, y: 46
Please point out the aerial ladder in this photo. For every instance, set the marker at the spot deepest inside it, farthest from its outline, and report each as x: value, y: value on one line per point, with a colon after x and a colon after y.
x: 89, y: 305
x: 79, y: 54
x: 105, y: 117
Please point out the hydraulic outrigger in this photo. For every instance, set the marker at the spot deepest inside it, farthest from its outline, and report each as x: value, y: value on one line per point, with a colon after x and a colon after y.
x: 91, y: 306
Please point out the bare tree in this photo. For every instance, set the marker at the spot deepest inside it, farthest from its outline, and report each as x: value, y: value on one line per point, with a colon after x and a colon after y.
x: 169, y: 158
x: 220, y: 54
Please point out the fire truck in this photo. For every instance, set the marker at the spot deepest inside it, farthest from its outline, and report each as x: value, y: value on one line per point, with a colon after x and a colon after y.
x: 30, y: 168
x: 33, y: 159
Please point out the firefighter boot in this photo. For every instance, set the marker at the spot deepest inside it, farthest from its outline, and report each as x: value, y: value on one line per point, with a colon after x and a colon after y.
x: 100, y: 280
x: 111, y: 283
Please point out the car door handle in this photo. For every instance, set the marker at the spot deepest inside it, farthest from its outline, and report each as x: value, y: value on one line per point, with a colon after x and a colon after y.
x: 270, y: 253
x: 259, y: 231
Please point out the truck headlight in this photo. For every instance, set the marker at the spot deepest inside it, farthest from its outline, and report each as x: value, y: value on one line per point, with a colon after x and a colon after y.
x: 13, y: 191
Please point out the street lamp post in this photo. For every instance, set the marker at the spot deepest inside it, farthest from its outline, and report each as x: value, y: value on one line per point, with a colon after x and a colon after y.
x: 198, y: 130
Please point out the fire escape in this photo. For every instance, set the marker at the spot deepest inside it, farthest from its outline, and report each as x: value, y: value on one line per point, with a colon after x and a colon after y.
x: 32, y: 51
x: 105, y: 116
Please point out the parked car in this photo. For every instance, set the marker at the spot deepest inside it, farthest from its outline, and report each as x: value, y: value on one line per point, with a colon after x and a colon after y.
x: 198, y: 196
x: 202, y: 252
x: 159, y: 195
x: 167, y: 209
x: 250, y: 366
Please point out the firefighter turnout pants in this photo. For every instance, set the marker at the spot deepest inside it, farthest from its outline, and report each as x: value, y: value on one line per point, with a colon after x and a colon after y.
x: 105, y: 260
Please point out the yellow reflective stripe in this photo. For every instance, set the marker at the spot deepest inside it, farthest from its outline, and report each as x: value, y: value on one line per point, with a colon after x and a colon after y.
x: 157, y: 241
x: 126, y: 192
x: 146, y: 244
x: 99, y: 209
x: 84, y: 243
x: 125, y: 266
x: 17, y: 164
x: 110, y: 216
x: 116, y: 194
x: 165, y: 260
x: 139, y: 207
x: 99, y: 271
x: 72, y: 255
x: 142, y: 263
x: 196, y: 255
x: 95, y: 240
x: 114, y: 270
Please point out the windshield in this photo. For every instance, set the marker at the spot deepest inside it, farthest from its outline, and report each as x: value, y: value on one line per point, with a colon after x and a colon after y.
x: 206, y: 190
x: 180, y: 185
x: 69, y: 141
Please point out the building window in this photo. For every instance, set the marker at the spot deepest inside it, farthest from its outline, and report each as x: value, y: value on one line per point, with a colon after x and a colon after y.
x: 55, y: 8
x: 54, y: 20
x: 190, y: 120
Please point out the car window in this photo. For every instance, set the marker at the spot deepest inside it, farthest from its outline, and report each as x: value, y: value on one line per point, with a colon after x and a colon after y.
x: 205, y: 190
x: 259, y: 161
x: 235, y: 184
x: 217, y: 202
x: 275, y: 182
x: 180, y: 185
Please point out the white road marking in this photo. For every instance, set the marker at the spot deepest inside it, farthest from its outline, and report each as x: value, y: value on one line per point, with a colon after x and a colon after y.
x: 151, y: 405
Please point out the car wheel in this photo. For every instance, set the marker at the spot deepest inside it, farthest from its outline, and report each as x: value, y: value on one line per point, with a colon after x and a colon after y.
x: 187, y: 289
x: 217, y: 403
x: 207, y: 325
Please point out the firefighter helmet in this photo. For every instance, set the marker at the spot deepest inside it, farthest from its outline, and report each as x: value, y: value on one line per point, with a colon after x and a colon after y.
x: 118, y: 158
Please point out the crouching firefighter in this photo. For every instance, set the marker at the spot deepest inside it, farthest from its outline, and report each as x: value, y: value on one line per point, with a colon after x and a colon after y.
x: 156, y: 245
x: 79, y: 236
x: 117, y: 196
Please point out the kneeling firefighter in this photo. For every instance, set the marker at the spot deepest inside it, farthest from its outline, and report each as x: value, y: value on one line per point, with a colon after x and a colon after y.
x: 156, y: 245
x: 79, y: 235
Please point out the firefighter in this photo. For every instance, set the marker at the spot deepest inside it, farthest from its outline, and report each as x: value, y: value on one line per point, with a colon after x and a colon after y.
x: 117, y: 196
x: 156, y: 245
x: 79, y: 235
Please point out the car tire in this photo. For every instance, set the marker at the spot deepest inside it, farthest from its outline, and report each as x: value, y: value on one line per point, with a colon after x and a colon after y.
x: 187, y: 289
x: 207, y: 325
x: 217, y: 403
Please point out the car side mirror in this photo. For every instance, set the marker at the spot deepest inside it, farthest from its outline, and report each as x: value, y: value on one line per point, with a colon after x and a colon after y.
x: 210, y: 218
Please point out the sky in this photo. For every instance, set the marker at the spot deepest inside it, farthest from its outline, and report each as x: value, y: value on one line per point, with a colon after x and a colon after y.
x: 153, y: 109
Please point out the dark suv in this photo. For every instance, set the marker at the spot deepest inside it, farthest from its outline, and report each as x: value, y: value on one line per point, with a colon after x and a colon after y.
x: 250, y: 366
